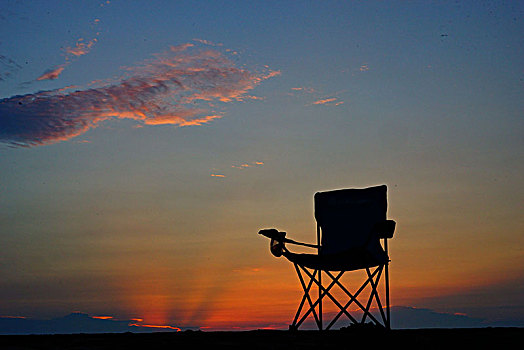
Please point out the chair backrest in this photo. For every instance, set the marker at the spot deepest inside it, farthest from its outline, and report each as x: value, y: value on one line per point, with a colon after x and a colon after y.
x: 347, y: 216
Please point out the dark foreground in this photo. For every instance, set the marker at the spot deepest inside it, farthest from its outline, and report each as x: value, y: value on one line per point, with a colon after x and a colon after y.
x: 263, y: 339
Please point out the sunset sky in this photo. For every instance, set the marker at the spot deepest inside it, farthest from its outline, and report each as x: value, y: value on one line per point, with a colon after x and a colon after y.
x: 143, y: 144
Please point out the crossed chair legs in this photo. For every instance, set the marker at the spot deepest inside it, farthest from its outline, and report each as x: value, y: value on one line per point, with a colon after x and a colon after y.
x: 315, y: 307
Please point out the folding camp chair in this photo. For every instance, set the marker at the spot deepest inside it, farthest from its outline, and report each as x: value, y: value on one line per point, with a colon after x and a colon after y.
x: 350, y: 225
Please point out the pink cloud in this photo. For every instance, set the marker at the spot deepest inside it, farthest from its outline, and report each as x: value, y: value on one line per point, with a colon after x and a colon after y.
x: 180, y: 119
x: 324, y: 101
x: 81, y: 48
x: 304, y: 89
x: 207, y: 42
x: 174, y: 88
x: 247, y: 165
x: 51, y: 74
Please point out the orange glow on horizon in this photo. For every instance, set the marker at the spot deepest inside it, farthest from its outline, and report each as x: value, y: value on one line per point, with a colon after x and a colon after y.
x: 154, y: 326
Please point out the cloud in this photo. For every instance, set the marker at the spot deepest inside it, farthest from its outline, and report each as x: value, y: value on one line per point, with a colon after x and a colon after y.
x: 248, y: 165
x: 241, y: 166
x: 174, y: 88
x: 207, y: 42
x: 155, y: 328
x: 77, y: 323
x: 7, y: 67
x: 333, y: 100
x: 51, y: 74
x: 324, y: 101
x: 81, y: 48
x: 319, y: 97
x: 308, y: 90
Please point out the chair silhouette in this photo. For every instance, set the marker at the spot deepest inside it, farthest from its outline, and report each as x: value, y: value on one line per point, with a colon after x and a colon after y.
x: 350, y: 225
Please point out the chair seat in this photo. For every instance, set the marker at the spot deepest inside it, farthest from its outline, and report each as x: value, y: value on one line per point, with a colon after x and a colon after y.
x: 349, y: 260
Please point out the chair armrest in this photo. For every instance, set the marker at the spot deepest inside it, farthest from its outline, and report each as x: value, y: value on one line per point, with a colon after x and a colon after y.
x: 385, y: 229
x: 277, y: 245
x: 281, y: 237
x: 272, y: 234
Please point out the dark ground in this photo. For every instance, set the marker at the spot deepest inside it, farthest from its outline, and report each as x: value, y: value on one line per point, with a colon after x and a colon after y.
x: 262, y: 339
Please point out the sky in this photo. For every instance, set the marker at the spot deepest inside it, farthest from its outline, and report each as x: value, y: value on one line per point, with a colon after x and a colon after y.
x: 144, y: 144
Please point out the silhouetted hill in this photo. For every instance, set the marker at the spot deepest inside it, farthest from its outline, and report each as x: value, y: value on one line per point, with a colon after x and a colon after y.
x: 409, y: 317
x: 402, y: 317
x: 70, y: 324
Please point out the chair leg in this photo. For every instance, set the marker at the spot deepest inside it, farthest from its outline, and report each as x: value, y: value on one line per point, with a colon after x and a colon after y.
x: 386, y: 277
x: 353, y: 298
x: 304, y: 298
x: 343, y: 309
x: 324, y: 291
x: 320, y: 300
x: 374, y: 295
x: 312, y: 305
x: 315, y: 277
x: 333, y: 299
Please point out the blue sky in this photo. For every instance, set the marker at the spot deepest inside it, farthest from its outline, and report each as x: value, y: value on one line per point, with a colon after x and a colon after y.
x: 121, y: 195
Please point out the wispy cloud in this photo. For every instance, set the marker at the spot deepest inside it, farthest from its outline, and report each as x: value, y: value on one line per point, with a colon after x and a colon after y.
x: 7, y: 67
x: 239, y: 166
x: 308, y: 90
x: 154, y: 327
x: 80, y: 48
x: 324, y: 101
x: 332, y: 100
x: 51, y: 74
x: 247, y: 165
x: 320, y: 98
x: 78, y: 323
x: 176, y: 88
x: 102, y: 317
x: 207, y: 42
